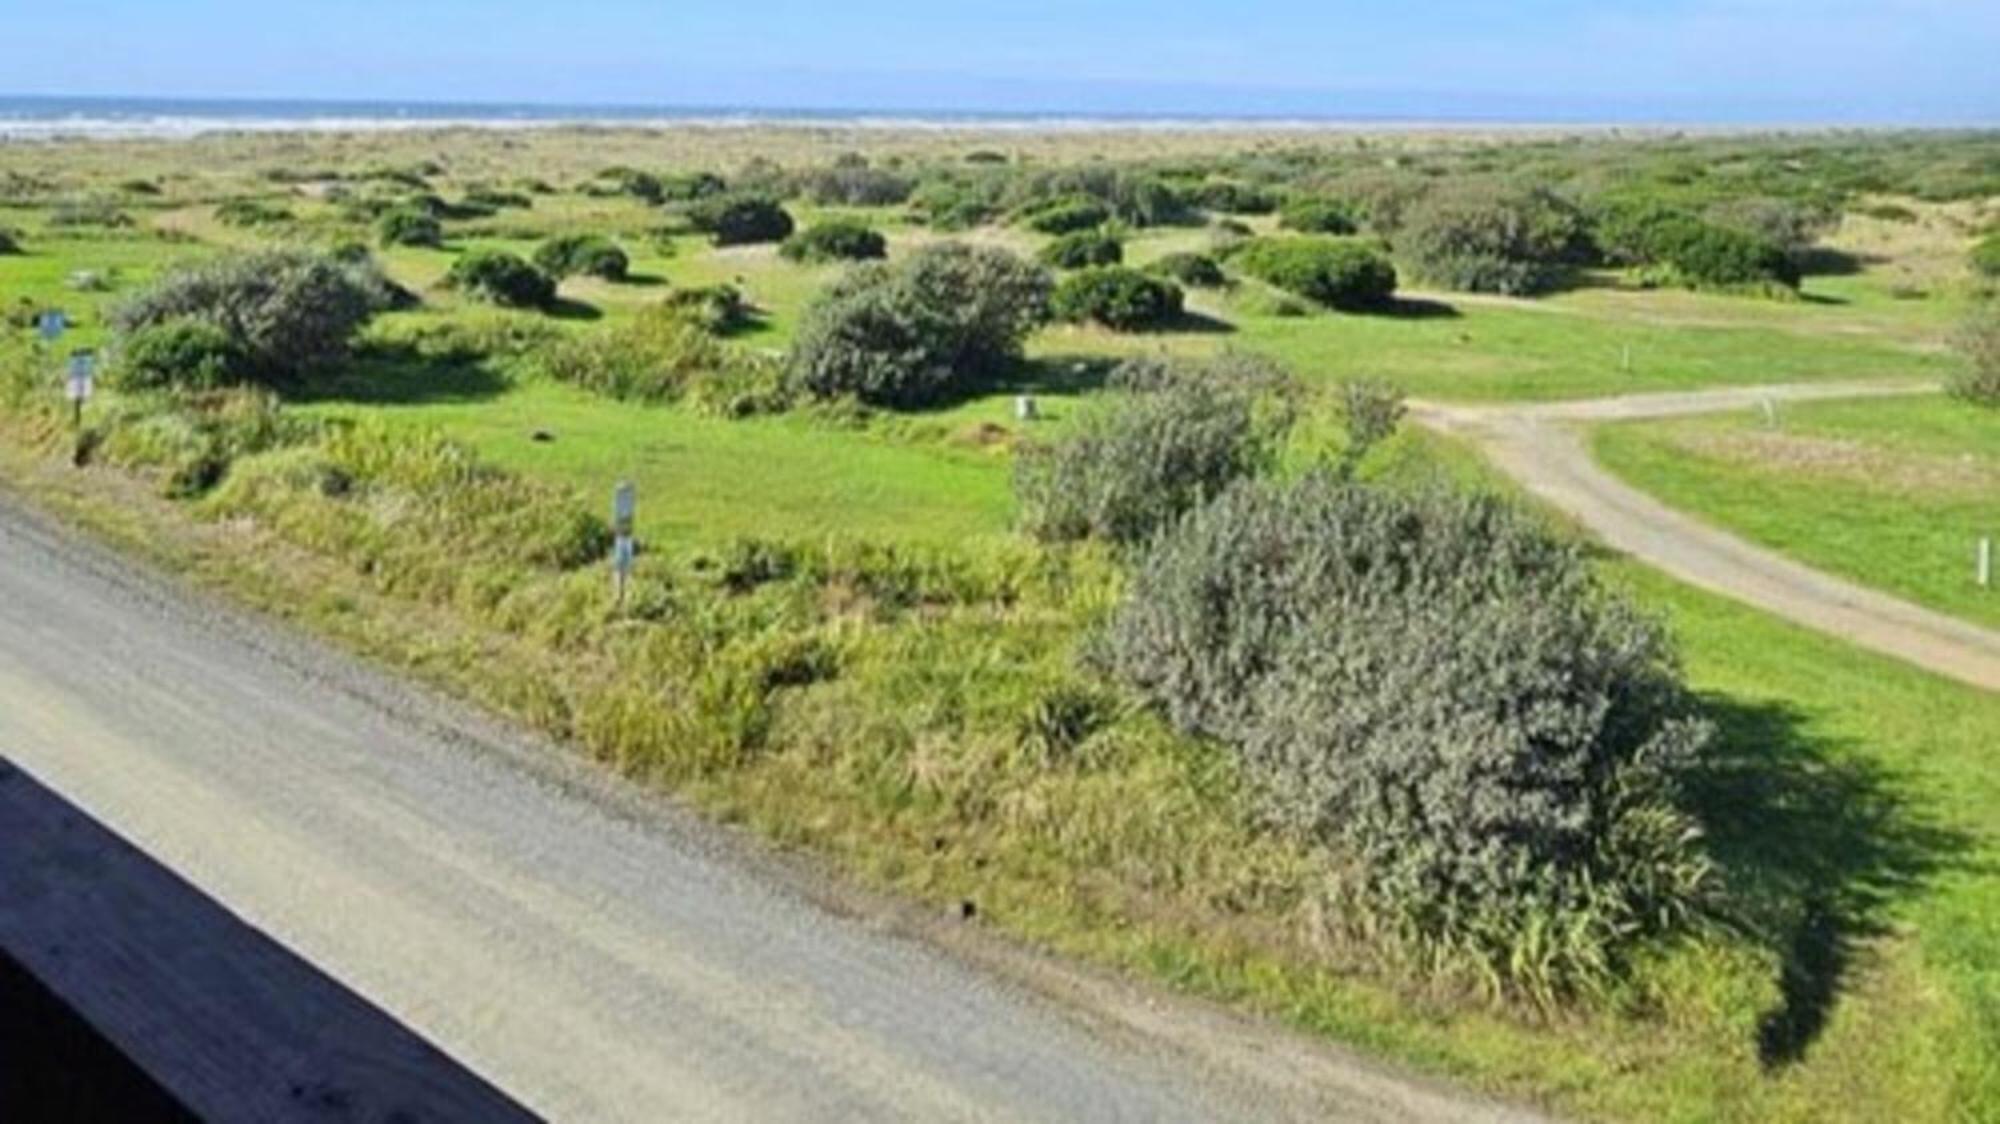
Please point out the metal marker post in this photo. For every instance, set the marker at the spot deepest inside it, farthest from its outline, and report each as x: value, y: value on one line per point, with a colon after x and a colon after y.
x: 1985, y: 564
x: 624, y: 506
x: 82, y: 378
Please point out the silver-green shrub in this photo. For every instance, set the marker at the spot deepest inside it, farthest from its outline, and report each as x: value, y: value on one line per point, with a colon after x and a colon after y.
x: 1488, y: 743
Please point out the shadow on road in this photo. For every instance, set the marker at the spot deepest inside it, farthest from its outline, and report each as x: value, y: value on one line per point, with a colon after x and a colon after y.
x: 128, y: 994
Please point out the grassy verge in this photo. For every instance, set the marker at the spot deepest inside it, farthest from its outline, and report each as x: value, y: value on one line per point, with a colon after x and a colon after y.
x: 916, y: 717
x: 1892, y: 493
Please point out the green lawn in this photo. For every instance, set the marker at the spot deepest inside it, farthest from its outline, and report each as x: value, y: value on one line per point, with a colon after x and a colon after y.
x: 1892, y: 493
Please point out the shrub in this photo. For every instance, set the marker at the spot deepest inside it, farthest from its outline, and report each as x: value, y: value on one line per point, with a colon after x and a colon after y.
x: 1170, y: 437
x: 856, y: 185
x: 184, y: 353
x: 621, y: 180
x: 1690, y: 250
x: 1117, y: 297
x: 495, y: 198
x: 1370, y: 411
x: 1063, y: 216
x: 1335, y: 272
x: 285, y: 312
x: 1488, y: 743
x: 1985, y: 256
x: 1482, y: 238
x: 10, y: 241
x: 1230, y: 197
x: 692, y: 185
x: 1788, y: 224
x: 950, y: 205
x: 1082, y: 248
x: 733, y: 220
x: 588, y: 255
x: 922, y: 328
x: 251, y: 212
x: 719, y: 309
x: 501, y: 278
x: 665, y: 354
x: 835, y: 240
x: 1978, y: 341
x: 1313, y: 215
x: 409, y: 226
x: 88, y: 212
x: 1196, y: 270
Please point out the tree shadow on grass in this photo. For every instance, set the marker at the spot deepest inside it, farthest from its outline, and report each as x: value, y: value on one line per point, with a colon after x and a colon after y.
x: 1816, y: 845
x: 1410, y: 308
x: 398, y: 374
x: 563, y: 308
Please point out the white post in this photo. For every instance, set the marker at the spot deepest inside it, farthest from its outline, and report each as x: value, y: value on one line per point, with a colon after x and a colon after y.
x: 1985, y: 561
x: 1770, y: 414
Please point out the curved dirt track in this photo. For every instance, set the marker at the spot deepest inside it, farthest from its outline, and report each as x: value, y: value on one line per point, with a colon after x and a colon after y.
x: 1542, y: 446
x: 593, y: 954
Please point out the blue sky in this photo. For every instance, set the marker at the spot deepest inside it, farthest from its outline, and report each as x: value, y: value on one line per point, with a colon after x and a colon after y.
x: 1782, y: 60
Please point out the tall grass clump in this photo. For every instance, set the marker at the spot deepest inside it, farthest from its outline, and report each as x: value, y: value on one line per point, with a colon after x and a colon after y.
x: 666, y: 354
x: 1170, y: 436
x: 1978, y: 341
x: 1488, y: 745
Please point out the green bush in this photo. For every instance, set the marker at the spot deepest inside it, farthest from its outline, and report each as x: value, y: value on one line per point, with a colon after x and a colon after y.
x: 1194, y: 270
x: 1488, y: 743
x: 1687, y: 249
x: 88, y: 212
x: 1314, y: 215
x: 692, y: 185
x: 1985, y: 256
x: 1171, y: 436
x: 1066, y: 215
x: 665, y: 354
x: 835, y: 240
x: 1117, y: 297
x: 285, y: 312
x: 1978, y: 341
x: 1486, y: 239
x: 1080, y: 249
x: 588, y: 255
x: 498, y: 277
x: 734, y: 220
x: 923, y: 328
x: 10, y: 242
x: 719, y: 309
x: 621, y: 180
x: 856, y: 185
x: 183, y: 353
x: 495, y: 198
x: 409, y: 226
x: 1232, y: 198
x: 251, y: 212
x: 1336, y: 272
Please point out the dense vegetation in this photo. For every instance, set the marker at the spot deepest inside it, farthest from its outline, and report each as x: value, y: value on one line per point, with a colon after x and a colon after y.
x: 1491, y: 747
x: 585, y: 255
x: 1339, y: 273
x: 924, y: 328
x: 1080, y: 249
x: 498, y: 277
x: 836, y: 240
x: 269, y: 316
x: 1117, y: 297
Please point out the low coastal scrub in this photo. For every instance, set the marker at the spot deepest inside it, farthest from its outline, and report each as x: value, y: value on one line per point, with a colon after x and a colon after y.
x: 736, y: 220
x: 1339, y: 273
x: 1484, y: 239
x: 1171, y: 436
x: 272, y: 316
x: 931, y: 326
x: 1491, y: 748
x: 584, y: 255
x: 1314, y: 215
x: 836, y: 240
x: 409, y: 226
x: 498, y: 277
x: 1081, y: 249
x: 1194, y: 270
x: 667, y: 354
x: 1117, y: 297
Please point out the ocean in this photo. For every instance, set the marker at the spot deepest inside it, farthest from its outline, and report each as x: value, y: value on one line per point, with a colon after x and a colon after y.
x: 44, y: 118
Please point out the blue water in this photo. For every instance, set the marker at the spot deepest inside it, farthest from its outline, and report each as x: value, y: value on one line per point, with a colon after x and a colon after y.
x: 38, y: 116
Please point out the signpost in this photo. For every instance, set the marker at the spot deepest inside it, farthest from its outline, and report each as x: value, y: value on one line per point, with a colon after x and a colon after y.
x: 51, y: 324
x: 624, y: 507
x: 82, y: 380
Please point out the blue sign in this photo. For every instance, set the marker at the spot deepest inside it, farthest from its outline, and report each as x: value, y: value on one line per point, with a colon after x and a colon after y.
x: 51, y: 324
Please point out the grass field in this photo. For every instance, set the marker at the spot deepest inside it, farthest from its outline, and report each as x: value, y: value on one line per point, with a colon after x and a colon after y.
x: 868, y: 702
x: 1892, y: 493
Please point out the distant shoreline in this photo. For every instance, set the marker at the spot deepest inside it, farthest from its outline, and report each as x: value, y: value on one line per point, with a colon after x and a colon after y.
x: 32, y: 118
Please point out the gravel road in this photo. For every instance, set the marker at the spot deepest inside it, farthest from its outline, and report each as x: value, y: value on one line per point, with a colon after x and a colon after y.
x: 594, y: 952
x: 1543, y: 447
